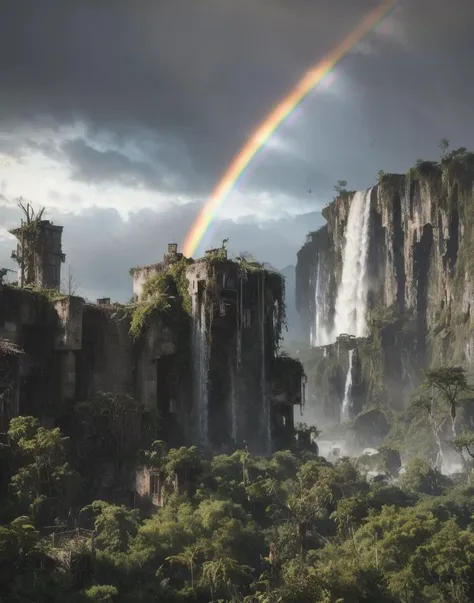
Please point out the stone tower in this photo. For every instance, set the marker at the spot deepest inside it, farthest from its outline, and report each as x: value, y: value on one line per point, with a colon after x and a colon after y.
x: 39, y: 254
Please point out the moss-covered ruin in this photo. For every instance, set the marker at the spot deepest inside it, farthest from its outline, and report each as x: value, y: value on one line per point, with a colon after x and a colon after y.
x: 200, y: 336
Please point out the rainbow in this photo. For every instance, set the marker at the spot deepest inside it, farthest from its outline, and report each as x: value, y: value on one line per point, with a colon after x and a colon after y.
x: 262, y: 134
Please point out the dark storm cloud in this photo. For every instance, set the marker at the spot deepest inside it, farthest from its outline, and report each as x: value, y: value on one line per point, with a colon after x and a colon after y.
x: 198, y: 76
x: 101, y: 247
x: 187, y: 81
x: 92, y: 165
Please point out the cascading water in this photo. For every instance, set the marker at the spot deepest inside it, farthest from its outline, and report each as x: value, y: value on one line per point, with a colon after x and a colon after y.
x: 201, y: 368
x: 351, y: 302
x: 318, y: 331
x: 346, y: 403
x: 263, y: 377
x: 235, y: 371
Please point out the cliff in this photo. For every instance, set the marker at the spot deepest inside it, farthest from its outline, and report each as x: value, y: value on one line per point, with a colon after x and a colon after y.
x: 393, y: 268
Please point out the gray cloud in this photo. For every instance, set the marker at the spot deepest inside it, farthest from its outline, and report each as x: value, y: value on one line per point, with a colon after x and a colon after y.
x: 101, y: 247
x: 91, y: 165
x: 168, y: 91
x: 196, y: 77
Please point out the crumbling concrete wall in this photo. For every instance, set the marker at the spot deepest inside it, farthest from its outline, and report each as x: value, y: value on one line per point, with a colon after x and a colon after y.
x: 39, y: 254
x: 105, y: 361
x: 73, y: 350
x: 30, y: 321
x: 238, y: 323
x: 287, y: 391
x: 141, y: 275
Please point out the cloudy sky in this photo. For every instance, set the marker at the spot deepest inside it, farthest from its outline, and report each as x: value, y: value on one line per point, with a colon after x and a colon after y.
x: 121, y: 116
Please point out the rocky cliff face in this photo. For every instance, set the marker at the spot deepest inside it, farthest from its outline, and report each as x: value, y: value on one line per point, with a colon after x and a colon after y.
x: 418, y: 283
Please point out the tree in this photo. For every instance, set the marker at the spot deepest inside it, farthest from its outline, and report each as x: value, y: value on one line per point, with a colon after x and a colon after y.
x: 438, y: 398
x: 188, y: 558
x: 18, y: 544
x: 45, y: 481
x: 306, y: 436
x: 31, y: 216
x: 421, y: 478
x: 114, y: 427
x: 28, y: 235
x: 465, y: 443
x: 221, y: 572
x: 444, y: 145
x: 101, y: 593
x: 340, y: 187
x: 451, y: 384
x: 349, y: 514
x: 70, y: 283
x: 115, y: 525
x: 304, y: 498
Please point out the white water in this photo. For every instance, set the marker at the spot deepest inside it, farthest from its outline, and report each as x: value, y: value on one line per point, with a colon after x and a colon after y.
x: 235, y: 371
x: 263, y: 377
x: 346, y: 403
x: 351, y: 302
x: 318, y: 331
x: 233, y: 399
x: 201, y: 369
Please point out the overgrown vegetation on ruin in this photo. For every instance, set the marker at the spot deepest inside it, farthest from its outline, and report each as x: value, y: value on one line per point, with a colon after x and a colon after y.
x: 163, y: 293
x: 52, y: 295
x: 30, y: 228
x: 259, y: 277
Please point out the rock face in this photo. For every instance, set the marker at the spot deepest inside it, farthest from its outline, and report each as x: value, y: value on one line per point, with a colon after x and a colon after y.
x: 419, y: 282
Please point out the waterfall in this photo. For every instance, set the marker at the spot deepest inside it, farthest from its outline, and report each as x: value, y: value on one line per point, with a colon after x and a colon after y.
x: 351, y: 302
x: 318, y: 336
x: 200, y: 349
x: 263, y: 377
x: 235, y: 370
x: 346, y: 403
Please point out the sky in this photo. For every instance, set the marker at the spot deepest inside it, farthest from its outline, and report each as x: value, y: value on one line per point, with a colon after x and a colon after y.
x: 120, y: 117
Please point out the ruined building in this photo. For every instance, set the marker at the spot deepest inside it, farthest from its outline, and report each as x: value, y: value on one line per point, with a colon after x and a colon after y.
x: 39, y: 253
x: 200, y: 344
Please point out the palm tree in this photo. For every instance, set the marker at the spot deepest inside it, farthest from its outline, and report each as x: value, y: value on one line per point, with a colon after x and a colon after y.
x: 188, y: 558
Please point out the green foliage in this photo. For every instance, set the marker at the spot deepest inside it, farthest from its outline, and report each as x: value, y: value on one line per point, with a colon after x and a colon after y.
x: 465, y: 443
x: 444, y: 145
x: 276, y: 283
x: 101, y: 593
x: 421, y: 478
x: 291, y: 528
x: 30, y: 228
x: 162, y: 293
x: 50, y: 295
x: 45, y: 485
x: 114, y: 525
x: 441, y: 394
x: 114, y: 427
x: 341, y: 187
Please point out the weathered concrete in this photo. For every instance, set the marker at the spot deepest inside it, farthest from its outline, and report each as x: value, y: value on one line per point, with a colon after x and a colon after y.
x: 39, y: 254
x: 242, y: 395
